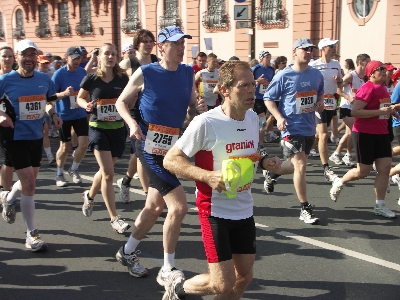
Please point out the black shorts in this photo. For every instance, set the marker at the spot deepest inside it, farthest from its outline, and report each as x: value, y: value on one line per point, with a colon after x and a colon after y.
x: 81, y: 128
x: 345, y: 112
x: 223, y: 237
x: 108, y: 140
x: 259, y: 107
x: 325, y: 117
x: 133, y: 146
x: 160, y: 178
x: 23, y: 154
x: 297, y: 143
x: 369, y: 147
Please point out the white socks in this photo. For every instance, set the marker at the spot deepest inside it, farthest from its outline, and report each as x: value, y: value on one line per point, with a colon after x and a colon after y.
x: 169, y: 261
x: 15, y: 192
x: 131, y: 245
x: 28, y: 212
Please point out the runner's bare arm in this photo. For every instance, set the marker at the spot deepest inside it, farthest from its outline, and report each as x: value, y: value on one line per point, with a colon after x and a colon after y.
x: 57, y: 122
x: 128, y: 99
x: 83, y: 100
x: 126, y: 65
x: 176, y: 161
x: 273, y: 109
x: 320, y: 103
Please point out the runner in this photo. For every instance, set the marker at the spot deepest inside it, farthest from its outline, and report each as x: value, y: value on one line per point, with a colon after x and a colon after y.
x: 127, y: 51
x: 106, y: 129
x: 68, y: 79
x: 347, y: 89
x: 166, y: 90
x: 201, y: 62
x: 371, y: 109
x: 263, y: 74
x: 208, y: 79
x: 143, y: 44
x: 296, y: 119
x: 27, y: 95
x: 227, y: 222
x: 331, y: 71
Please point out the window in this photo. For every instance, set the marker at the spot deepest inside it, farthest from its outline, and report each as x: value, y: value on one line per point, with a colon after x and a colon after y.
x: 62, y: 28
x: 43, y: 30
x: 271, y: 14
x: 1, y: 27
x: 18, y: 31
x: 131, y: 24
x: 363, y: 7
x: 362, y: 10
x: 84, y: 26
x: 215, y: 18
x: 171, y: 14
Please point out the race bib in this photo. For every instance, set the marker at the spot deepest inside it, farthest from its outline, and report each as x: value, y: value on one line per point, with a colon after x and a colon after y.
x: 106, y: 110
x: 263, y: 87
x: 385, y: 102
x: 209, y: 86
x: 330, y: 102
x: 305, y: 101
x: 32, y: 107
x: 160, y: 139
x: 72, y: 100
x: 353, y: 92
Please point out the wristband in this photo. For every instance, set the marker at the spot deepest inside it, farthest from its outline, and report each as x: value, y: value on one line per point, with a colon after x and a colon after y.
x: 262, y: 160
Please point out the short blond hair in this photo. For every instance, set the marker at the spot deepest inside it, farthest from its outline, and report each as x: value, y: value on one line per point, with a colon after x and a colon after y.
x: 226, y: 76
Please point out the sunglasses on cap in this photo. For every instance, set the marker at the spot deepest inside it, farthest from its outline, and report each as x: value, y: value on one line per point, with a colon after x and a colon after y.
x: 381, y: 68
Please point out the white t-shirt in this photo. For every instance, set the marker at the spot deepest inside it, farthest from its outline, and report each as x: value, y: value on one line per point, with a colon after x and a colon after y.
x: 211, y: 138
x: 209, y: 81
x: 329, y: 70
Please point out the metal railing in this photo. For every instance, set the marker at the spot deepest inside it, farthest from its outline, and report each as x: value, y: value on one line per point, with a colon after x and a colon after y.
x: 84, y: 29
x: 216, y: 18
x: 1, y: 34
x: 131, y: 24
x: 42, y: 31
x: 170, y: 18
x: 62, y: 30
x: 271, y: 14
x: 18, y: 33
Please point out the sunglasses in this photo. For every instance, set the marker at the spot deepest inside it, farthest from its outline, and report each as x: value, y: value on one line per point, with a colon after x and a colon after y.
x: 307, y: 49
x: 381, y: 68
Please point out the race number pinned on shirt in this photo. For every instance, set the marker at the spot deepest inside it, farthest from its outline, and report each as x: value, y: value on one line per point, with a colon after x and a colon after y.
x: 385, y: 102
x: 263, y: 87
x: 305, y: 101
x: 160, y: 139
x: 330, y: 102
x: 32, y: 107
x: 353, y: 92
x: 106, y: 110
x: 209, y: 85
x: 72, y: 100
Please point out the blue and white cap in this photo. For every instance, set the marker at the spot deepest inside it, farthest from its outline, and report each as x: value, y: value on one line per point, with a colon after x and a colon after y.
x: 172, y: 34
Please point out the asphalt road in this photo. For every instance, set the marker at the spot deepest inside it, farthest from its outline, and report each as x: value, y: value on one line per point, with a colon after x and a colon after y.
x: 351, y: 254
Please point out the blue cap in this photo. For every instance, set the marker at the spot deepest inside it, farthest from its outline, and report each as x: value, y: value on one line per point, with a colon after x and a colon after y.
x: 172, y: 34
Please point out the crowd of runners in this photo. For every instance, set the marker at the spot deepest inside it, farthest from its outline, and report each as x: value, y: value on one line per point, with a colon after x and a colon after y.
x: 221, y: 116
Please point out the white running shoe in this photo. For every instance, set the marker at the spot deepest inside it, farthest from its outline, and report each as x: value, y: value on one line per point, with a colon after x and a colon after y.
x: 307, y: 215
x: 132, y: 262
x: 76, y: 177
x: 396, y: 179
x: 8, y: 212
x: 87, y: 207
x: 335, y: 158
x: 336, y: 188
x: 123, y: 194
x: 136, y: 176
x: 176, y: 278
x: 34, y: 242
x: 348, y: 160
x: 60, y: 181
x: 163, y: 276
x: 119, y: 225
x: 314, y: 153
x: 51, y: 160
x: 329, y: 174
x: 384, y: 212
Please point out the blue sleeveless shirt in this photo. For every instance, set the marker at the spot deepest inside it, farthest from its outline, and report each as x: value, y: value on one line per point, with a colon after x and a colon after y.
x: 166, y: 94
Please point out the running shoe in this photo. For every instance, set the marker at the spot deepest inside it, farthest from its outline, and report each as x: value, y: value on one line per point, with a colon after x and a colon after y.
x: 176, y: 278
x: 51, y: 160
x: 396, y: 179
x: 132, y: 262
x: 314, y: 153
x: 329, y: 174
x: 124, y: 196
x: 348, y: 160
x: 335, y: 158
x: 374, y: 166
x: 307, y: 215
x: 336, y: 188
x: 119, y: 225
x: 267, y: 138
x: 34, y: 242
x: 60, y: 181
x: 384, y: 212
x: 8, y: 213
x: 76, y: 177
x: 87, y: 207
x: 136, y: 176
x: 164, y: 276
x: 269, y: 183
x: 262, y: 150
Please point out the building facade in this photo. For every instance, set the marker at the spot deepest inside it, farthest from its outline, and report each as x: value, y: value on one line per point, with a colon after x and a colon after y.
x: 225, y: 27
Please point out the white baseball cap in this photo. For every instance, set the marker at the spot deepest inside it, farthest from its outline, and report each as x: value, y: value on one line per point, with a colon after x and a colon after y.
x: 24, y: 44
x: 326, y: 42
x: 127, y: 47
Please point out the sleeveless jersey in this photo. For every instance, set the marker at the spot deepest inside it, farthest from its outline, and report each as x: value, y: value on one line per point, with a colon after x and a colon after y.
x: 351, y: 89
x: 208, y: 83
x: 211, y: 138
